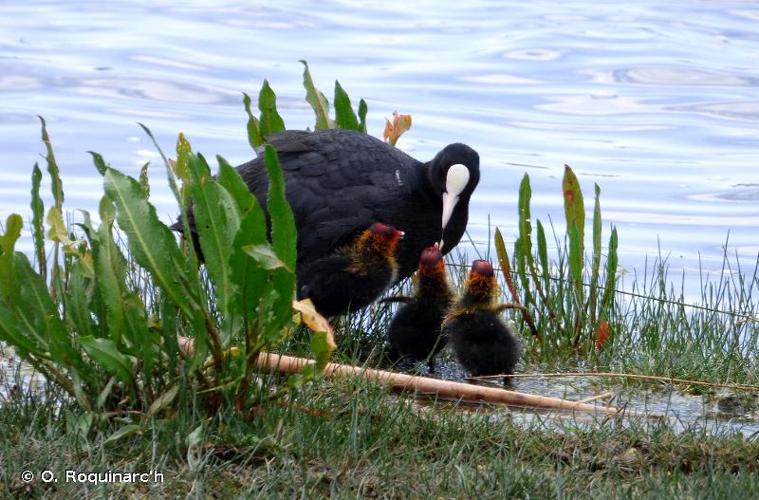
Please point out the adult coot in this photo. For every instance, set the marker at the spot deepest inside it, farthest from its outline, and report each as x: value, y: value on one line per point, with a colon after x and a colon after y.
x: 414, y: 332
x: 339, y: 182
x: 354, y: 276
x: 483, y: 344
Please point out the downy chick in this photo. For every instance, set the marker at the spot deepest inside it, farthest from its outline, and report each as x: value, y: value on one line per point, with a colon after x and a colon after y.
x: 483, y: 344
x: 354, y: 276
x: 415, y: 331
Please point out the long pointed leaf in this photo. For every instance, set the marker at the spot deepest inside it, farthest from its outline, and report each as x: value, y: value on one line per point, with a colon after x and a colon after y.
x: 8, y: 288
x: 269, y: 121
x: 317, y: 101
x: 344, y: 115
x: 38, y: 229
x: 105, y: 353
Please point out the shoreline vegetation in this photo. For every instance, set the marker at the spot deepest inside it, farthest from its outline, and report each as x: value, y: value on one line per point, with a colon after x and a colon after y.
x: 101, y: 309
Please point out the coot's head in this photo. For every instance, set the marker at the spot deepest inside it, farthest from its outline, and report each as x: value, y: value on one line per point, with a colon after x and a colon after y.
x: 453, y: 174
x: 482, y: 268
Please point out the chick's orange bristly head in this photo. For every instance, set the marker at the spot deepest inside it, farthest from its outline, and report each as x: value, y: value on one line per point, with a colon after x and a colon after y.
x: 381, y: 235
x: 431, y: 261
x: 481, y: 285
x: 432, y: 279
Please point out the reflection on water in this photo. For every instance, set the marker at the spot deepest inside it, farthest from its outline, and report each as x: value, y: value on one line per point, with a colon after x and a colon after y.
x: 655, y: 101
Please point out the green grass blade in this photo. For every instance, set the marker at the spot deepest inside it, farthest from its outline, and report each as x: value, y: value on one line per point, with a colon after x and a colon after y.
x: 363, y: 109
x: 611, y: 275
x: 344, y: 115
x: 270, y: 121
x: 596, y: 262
x: 545, y: 268
x: 38, y: 215
x: 317, y: 100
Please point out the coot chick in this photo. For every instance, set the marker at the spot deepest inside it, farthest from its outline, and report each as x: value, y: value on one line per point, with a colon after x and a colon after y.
x: 483, y: 344
x: 338, y: 182
x: 353, y: 276
x: 414, y: 332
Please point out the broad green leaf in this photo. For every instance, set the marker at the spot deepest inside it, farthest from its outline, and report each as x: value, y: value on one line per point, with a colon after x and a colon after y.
x: 575, y: 262
x: 149, y: 240
x: 270, y: 122
x: 317, y: 101
x: 142, y: 339
x: 255, y: 138
x: 216, y: 221
x: 284, y: 243
x: 52, y: 168
x: 110, y: 271
x: 574, y: 208
x: 38, y: 229
x: 163, y: 401
x: 8, y: 287
x: 9, y: 332
x: 105, y: 393
x: 195, y: 437
x: 229, y: 178
x: 77, y: 301
x: 525, y: 224
x: 106, y: 353
x: 264, y: 255
x: 283, y: 233
x: 123, y: 432
x: 33, y: 305
x: 344, y: 115
x: 99, y: 162
x: 249, y: 277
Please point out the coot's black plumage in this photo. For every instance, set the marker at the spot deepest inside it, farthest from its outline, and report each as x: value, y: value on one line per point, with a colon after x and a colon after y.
x: 353, y: 276
x: 414, y: 332
x: 339, y: 182
x: 483, y: 344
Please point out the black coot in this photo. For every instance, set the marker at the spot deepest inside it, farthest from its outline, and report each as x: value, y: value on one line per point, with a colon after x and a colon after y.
x: 353, y: 276
x: 483, y: 344
x: 414, y: 332
x: 339, y: 182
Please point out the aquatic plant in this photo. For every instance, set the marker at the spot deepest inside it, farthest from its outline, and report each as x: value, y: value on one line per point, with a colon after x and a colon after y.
x: 572, y: 303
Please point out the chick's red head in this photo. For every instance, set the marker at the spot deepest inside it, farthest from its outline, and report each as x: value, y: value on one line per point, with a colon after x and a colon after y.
x: 386, y: 234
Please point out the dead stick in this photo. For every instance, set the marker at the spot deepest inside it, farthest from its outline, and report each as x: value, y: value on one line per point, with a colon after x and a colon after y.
x: 430, y: 386
x: 657, y: 378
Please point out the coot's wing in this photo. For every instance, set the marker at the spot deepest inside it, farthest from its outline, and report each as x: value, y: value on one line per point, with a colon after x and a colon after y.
x: 337, y: 182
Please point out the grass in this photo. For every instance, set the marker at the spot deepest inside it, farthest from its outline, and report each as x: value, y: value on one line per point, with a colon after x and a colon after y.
x: 350, y: 439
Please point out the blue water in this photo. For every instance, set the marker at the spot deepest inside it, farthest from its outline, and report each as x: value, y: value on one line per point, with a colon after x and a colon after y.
x: 657, y: 102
